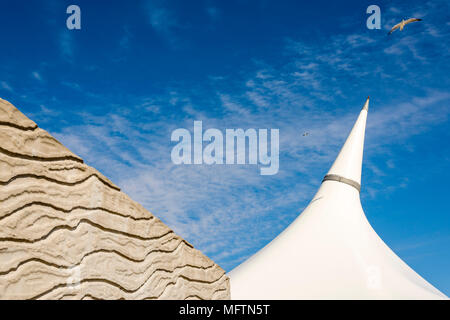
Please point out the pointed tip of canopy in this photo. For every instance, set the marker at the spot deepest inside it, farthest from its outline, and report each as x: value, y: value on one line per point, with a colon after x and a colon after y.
x: 366, y: 105
x: 348, y: 164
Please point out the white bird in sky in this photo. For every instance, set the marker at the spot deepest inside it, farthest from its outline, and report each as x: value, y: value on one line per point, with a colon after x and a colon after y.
x: 402, y: 24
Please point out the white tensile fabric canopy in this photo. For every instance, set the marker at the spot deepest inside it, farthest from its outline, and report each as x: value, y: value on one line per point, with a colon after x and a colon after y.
x: 331, y: 251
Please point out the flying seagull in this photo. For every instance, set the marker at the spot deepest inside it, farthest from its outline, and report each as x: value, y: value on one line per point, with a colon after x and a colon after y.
x: 402, y: 24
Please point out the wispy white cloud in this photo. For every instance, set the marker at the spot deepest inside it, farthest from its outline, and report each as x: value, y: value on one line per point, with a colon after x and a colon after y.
x: 213, y: 12
x: 36, y: 75
x: 162, y: 19
x: 71, y: 85
x: 126, y: 38
x: 66, y: 45
x: 6, y: 86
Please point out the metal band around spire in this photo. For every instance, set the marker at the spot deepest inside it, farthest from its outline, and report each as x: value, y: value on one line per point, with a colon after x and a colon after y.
x: 335, y: 177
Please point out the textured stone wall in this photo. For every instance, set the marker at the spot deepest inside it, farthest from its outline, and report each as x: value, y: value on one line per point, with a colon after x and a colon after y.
x: 67, y: 232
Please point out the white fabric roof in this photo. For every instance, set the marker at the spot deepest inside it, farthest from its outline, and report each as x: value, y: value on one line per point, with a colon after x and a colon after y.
x: 331, y: 251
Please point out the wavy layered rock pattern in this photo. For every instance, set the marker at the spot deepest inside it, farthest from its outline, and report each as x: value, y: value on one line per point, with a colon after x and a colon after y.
x: 67, y: 232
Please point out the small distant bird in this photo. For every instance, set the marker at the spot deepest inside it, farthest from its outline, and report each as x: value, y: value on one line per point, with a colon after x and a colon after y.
x: 306, y: 134
x: 402, y: 24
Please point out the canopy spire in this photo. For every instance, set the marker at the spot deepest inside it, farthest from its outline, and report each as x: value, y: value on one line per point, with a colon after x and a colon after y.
x: 330, y: 251
x: 347, y: 166
x: 366, y: 105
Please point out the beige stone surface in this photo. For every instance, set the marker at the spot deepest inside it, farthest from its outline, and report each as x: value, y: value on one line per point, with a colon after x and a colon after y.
x: 67, y: 232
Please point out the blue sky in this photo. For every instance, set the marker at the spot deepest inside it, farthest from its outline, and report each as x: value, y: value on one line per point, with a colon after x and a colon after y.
x: 114, y: 91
